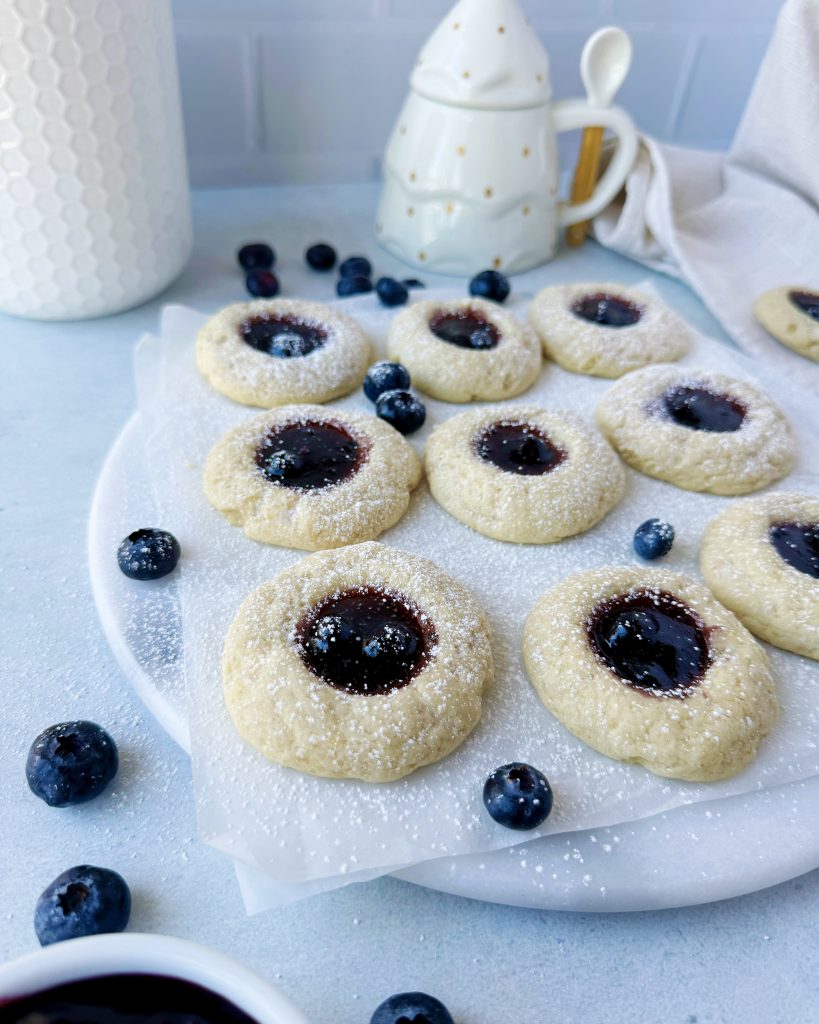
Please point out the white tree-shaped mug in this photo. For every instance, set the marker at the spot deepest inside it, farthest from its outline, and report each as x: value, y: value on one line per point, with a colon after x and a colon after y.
x: 471, y: 170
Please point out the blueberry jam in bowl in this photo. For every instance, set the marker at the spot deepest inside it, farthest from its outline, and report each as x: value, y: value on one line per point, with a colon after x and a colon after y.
x: 131, y: 979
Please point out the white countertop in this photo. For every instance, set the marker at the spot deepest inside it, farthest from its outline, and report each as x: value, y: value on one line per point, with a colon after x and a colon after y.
x: 65, y: 392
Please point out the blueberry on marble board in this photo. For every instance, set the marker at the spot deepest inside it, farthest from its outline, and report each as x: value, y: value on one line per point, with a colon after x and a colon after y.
x: 490, y: 284
x: 413, y: 282
x: 385, y: 376
x: 353, y: 286
x: 356, y: 266
x: 148, y: 554
x: 391, y: 292
x: 321, y: 256
x: 262, y: 284
x: 82, y: 901
x: 412, y: 1008
x: 71, y: 763
x: 402, y: 410
x: 256, y: 256
x: 653, y: 539
x: 518, y: 796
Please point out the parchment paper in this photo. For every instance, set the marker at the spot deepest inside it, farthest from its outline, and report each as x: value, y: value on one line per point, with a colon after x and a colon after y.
x: 300, y: 829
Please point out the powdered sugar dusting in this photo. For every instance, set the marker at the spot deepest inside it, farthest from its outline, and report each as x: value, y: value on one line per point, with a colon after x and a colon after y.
x: 299, y: 828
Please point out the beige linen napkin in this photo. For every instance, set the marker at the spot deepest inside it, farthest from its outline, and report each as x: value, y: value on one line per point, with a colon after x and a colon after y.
x: 733, y: 225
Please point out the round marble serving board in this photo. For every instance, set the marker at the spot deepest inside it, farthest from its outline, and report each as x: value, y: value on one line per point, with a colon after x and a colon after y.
x: 693, y: 854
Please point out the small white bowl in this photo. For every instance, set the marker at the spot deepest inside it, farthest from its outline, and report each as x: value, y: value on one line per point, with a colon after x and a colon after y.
x: 99, y: 955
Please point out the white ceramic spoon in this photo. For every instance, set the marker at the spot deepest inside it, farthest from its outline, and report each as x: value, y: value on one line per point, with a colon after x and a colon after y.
x: 604, y: 64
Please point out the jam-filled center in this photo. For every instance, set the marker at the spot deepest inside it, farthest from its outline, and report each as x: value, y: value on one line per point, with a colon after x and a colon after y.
x: 310, y: 455
x: 607, y: 310
x: 285, y: 337
x: 651, y: 640
x: 365, y: 641
x: 807, y: 302
x: 519, y: 448
x: 798, y: 545
x: 466, y: 328
x: 700, y: 409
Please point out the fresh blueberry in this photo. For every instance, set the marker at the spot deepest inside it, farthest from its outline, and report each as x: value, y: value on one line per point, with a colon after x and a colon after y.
x: 383, y: 377
x: 413, y: 282
x: 282, y: 465
x: 321, y: 256
x: 412, y: 1008
x: 353, y: 286
x: 263, y: 284
x: 82, y: 901
x: 518, y: 796
x: 70, y: 763
x: 490, y: 284
x: 256, y: 256
x: 332, y: 629
x: 392, y: 639
x: 148, y: 554
x: 356, y: 266
x: 653, y: 539
x: 402, y: 410
x: 391, y: 292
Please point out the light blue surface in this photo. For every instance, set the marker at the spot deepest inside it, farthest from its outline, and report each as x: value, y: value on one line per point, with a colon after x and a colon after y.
x: 65, y: 392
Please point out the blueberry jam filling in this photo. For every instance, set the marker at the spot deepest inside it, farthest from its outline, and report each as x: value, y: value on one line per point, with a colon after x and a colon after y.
x: 284, y: 337
x: 123, y: 999
x: 798, y: 545
x: 607, y: 310
x: 365, y: 641
x: 700, y: 409
x: 310, y: 455
x: 652, y: 641
x: 519, y: 448
x: 466, y: 328
x: 808, y: 302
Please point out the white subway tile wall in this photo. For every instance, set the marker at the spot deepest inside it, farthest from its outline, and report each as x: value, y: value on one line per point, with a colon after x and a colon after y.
x: 307, y: 90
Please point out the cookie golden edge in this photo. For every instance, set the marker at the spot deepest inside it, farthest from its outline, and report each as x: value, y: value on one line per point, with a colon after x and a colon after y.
x: 458, y: 375
x: 712, y: 734
x: 293, y: 718
x: 360, y: 508
x: 579, y: 346
x: 568, y: 500
x: 788, y: 325
x: 253, y: 378
x: 773, y: 600
x: 716, y: 463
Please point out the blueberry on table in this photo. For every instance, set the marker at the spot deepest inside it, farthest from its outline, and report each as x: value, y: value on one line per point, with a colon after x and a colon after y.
x: 490, y: 284
x: 71, y: 763
x: 518, y: 796
x: 148, y: 554
x: 262, y: 284
x: 391, y: 292
x: 356, y: 266
x: 412, y: 1008
x: 653, y: 539
x: 402, y: 410
x: 82, y: 901
x: 385, y: 376
x: 256, y: 256
x: 353, y: 286
x: 321, y: 256
x: 413, y: 282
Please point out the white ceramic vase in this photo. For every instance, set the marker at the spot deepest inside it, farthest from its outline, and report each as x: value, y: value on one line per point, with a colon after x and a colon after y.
x: 94, y: 200
x: 471, y: 169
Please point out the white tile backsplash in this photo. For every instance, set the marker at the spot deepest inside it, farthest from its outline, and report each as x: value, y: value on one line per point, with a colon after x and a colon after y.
x: 307, y: 90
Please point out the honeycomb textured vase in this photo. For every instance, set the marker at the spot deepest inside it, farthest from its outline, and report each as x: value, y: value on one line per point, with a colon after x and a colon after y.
x: 94, y: 203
